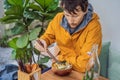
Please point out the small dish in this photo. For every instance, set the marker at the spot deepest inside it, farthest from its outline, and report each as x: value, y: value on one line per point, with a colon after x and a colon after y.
x: 61, y: 69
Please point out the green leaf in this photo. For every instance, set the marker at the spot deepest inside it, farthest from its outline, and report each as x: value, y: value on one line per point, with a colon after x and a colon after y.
x: 25, y: 3
x: 36, y: 51
x: 31, y: 15
x: 10, y: 21
x: 44, y: 3
x: 22, y: 41
x: 54, y: 6
x: 15, y: 10
x: 58, y: 9
x: 87, y: 75
x: 44, y: 60
x: 35, y: 7
x: 12, y: 2
x: 10, y: 18
x: 34, y: 33
x: 13, y: 55
x: 20, y: 53
x: 16, y: 2
x: 48, y: 16
x: 28, y: 46
x: 12, y: 43
x: 18, y: 28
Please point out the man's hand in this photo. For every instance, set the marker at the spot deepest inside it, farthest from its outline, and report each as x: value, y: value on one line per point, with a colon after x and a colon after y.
x: 41, y: 45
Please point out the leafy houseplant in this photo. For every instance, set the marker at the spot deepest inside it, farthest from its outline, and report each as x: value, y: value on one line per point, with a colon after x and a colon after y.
x: 23, y: 13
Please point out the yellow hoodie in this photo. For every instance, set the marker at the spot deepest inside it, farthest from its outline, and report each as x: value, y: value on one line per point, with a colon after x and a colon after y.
x: 74, y: 48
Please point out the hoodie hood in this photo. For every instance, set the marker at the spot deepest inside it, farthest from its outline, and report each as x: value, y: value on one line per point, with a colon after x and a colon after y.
x: 83, y: 24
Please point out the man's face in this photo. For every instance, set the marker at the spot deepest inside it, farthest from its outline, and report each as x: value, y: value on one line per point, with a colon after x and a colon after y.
x: 74, y: 19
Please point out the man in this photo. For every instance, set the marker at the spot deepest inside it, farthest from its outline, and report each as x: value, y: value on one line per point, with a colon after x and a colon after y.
x: 75, y: 31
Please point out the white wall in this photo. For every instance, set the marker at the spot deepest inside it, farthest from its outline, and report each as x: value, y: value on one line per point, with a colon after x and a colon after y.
x: 109, y: 13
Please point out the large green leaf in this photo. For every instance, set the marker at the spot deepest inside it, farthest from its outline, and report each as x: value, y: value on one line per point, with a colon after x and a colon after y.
x: 16, y: 2
x: 31, y: 15
x: 34, y: 33
x: 18, y: 28
x: 51, y: 14
x: 35, y: 7
x: 25, y: 3
x: 20, y: 53
x: 44, y: 3
x: 10, y: 21
x: 12, y: 43
x: 54, y: 6
x: 48, y: 15
x: 44, y: 60
x: 22, y: 41
x: 15, y: 10
x: 58, y: 9
x: 10, y: 18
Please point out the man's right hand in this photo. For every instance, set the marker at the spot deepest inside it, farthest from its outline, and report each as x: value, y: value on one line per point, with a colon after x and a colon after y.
x: 41, y: 45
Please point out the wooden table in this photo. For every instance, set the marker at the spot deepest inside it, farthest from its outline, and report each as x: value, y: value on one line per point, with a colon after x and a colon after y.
x: 49, y: 75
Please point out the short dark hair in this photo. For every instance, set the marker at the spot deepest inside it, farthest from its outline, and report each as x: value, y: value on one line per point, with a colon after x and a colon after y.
x: 70, y: 5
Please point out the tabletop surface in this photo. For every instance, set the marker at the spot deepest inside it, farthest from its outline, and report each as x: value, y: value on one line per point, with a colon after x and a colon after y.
x: 49, y: 75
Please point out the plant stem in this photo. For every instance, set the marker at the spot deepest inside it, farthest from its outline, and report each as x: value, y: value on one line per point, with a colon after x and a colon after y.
x: 32, y: 52
x: 38, y: 58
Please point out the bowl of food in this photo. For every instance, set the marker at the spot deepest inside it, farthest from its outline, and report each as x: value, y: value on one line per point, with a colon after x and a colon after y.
x: 62, y: 68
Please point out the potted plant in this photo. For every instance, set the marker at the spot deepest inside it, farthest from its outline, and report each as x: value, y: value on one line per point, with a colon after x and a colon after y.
x: 23, y: 13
